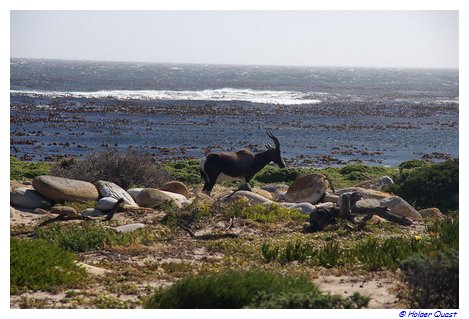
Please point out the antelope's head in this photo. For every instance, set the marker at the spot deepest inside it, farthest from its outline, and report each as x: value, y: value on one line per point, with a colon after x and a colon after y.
x: 276, y: 156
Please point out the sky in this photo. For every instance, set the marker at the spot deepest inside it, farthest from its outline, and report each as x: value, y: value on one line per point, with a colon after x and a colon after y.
x: 409, y: 39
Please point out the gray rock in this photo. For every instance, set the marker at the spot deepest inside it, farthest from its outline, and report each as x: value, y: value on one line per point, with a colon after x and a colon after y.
x: 385, y: 180
x: 368, y: 203
x: 108, y: 189
x: 308, y: 188
x: 28, y: 198
x: 106, y: 203
x: 400, y: 207
x: 133, y: 192
x: 61, y: 189
x: 12, y: 212
x: 272, y: 188
x: 186, y: 202
x: 40, y: 211
x: 129, y: 228
x: 433, y: 213
x: 332, y: 198
x: 92, y: 212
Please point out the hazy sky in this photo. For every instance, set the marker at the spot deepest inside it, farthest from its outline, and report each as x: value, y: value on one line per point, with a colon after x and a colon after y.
x: 318, y: 38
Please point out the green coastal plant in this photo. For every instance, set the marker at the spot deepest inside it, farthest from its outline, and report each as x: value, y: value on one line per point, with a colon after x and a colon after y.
x: 21, y: 170
x: 39, y: 265
x: 247, y: 289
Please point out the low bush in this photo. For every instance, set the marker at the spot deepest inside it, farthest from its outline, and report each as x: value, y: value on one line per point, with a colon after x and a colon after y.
x: 125, y: 169
x: 413, y: 164
x: 20, y: 170
x: 89, y: 236
x: 435, y: 185
x: 186, y: 171
x: 38, y: 265
x: 433, y: 282
x: 243, y: 289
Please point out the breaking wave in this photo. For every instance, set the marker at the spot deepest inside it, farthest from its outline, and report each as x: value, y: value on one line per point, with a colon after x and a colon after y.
x: 226, y: 94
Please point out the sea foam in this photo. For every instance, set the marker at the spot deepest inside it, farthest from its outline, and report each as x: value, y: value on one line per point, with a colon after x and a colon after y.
x: 225, y: 94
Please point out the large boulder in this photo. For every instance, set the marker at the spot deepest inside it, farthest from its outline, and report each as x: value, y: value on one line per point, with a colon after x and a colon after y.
x: 108, y: 189
x: 263, y: 193
x: 365, y: 193
x: 176, y: 187
x: 149, y: 197
x: 308, y: 188
x: 175, y: 196
x: 377, y: 184
x: 28, y: 198
x: 61, y: 189
x: 433, y: 213
x: 64, y: 210
x: 133, y: 192
x: 400, y: 207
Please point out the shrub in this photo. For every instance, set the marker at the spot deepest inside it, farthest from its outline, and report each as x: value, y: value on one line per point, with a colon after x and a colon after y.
x: 38, y: 265
x: 186, y: 171
x: 435, y: 185
x: 362, y: 168
x: 272, y: 174
x: 238, y: 289
x: 413, y: 164
x: 311, y: 300
x: 433, y: 282
x: 124, y: 169
x: 84, y: 238
x: 20, y: 170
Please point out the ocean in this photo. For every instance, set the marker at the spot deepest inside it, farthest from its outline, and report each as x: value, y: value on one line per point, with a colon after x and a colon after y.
x: 322, y: 116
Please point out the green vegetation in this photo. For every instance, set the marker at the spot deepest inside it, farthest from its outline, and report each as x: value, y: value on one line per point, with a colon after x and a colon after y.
x: 184, y: 171
x: 432, y: 185
x: 372, y: 253
x: 38, y: 265
x: 90, y: 236
x: 20, y: 170
x: 247, y: 289
x: 433, y: 282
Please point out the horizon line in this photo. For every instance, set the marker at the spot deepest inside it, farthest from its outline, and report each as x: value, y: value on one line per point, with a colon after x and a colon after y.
x: 242, y: 64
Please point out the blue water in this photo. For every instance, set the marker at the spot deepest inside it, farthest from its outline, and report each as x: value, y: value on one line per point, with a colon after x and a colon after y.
x: 173, y: 111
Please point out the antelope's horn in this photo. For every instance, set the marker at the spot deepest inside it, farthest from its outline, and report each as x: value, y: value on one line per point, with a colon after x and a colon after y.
x: 277, y: 143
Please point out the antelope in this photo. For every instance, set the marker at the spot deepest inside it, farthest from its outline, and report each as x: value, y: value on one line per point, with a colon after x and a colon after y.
x: 241, y: 165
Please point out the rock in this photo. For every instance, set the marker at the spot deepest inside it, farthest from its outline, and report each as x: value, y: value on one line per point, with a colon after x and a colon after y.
x: 308, y: 188
x: 287, y: 204
x: 433, y: 213
x: 263, y: 193
x: 28, y: 198
x: 201, y: 197
x: 175, y: 196
x: 63, y: 210
x: 400, y: 207
x: 129, y: 228
x: 377, y: 184
x: 92, y: 212
x: 304, y: 208
x: 365, y: 193
x: 176, y: 187
x: 61, y: 189
x: 97, y: 271
x: 385, y: 180
x: 376, y: 220
x: 272, y: 188
x: 40, y: 211
x: 253, y: 198
x: 16, y: 184
x: 107, y: 203
x: 186, y: 202
x: 108, y: 189
x: 332, y: 198
x: 133, y: 192
x: 368, y: 203
x: 150, y: 197
x: 12, y: 212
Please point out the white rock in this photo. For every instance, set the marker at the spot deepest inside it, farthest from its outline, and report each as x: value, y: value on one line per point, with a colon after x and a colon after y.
x: 253, y: 197
x: 129, y: 228
x: 108, y: 189
x: 106, y: 203
x: 94, y: 270
x: 12, y: 212
x: 175, y: 196
x: 186, y: 202
x: 304, y: 208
